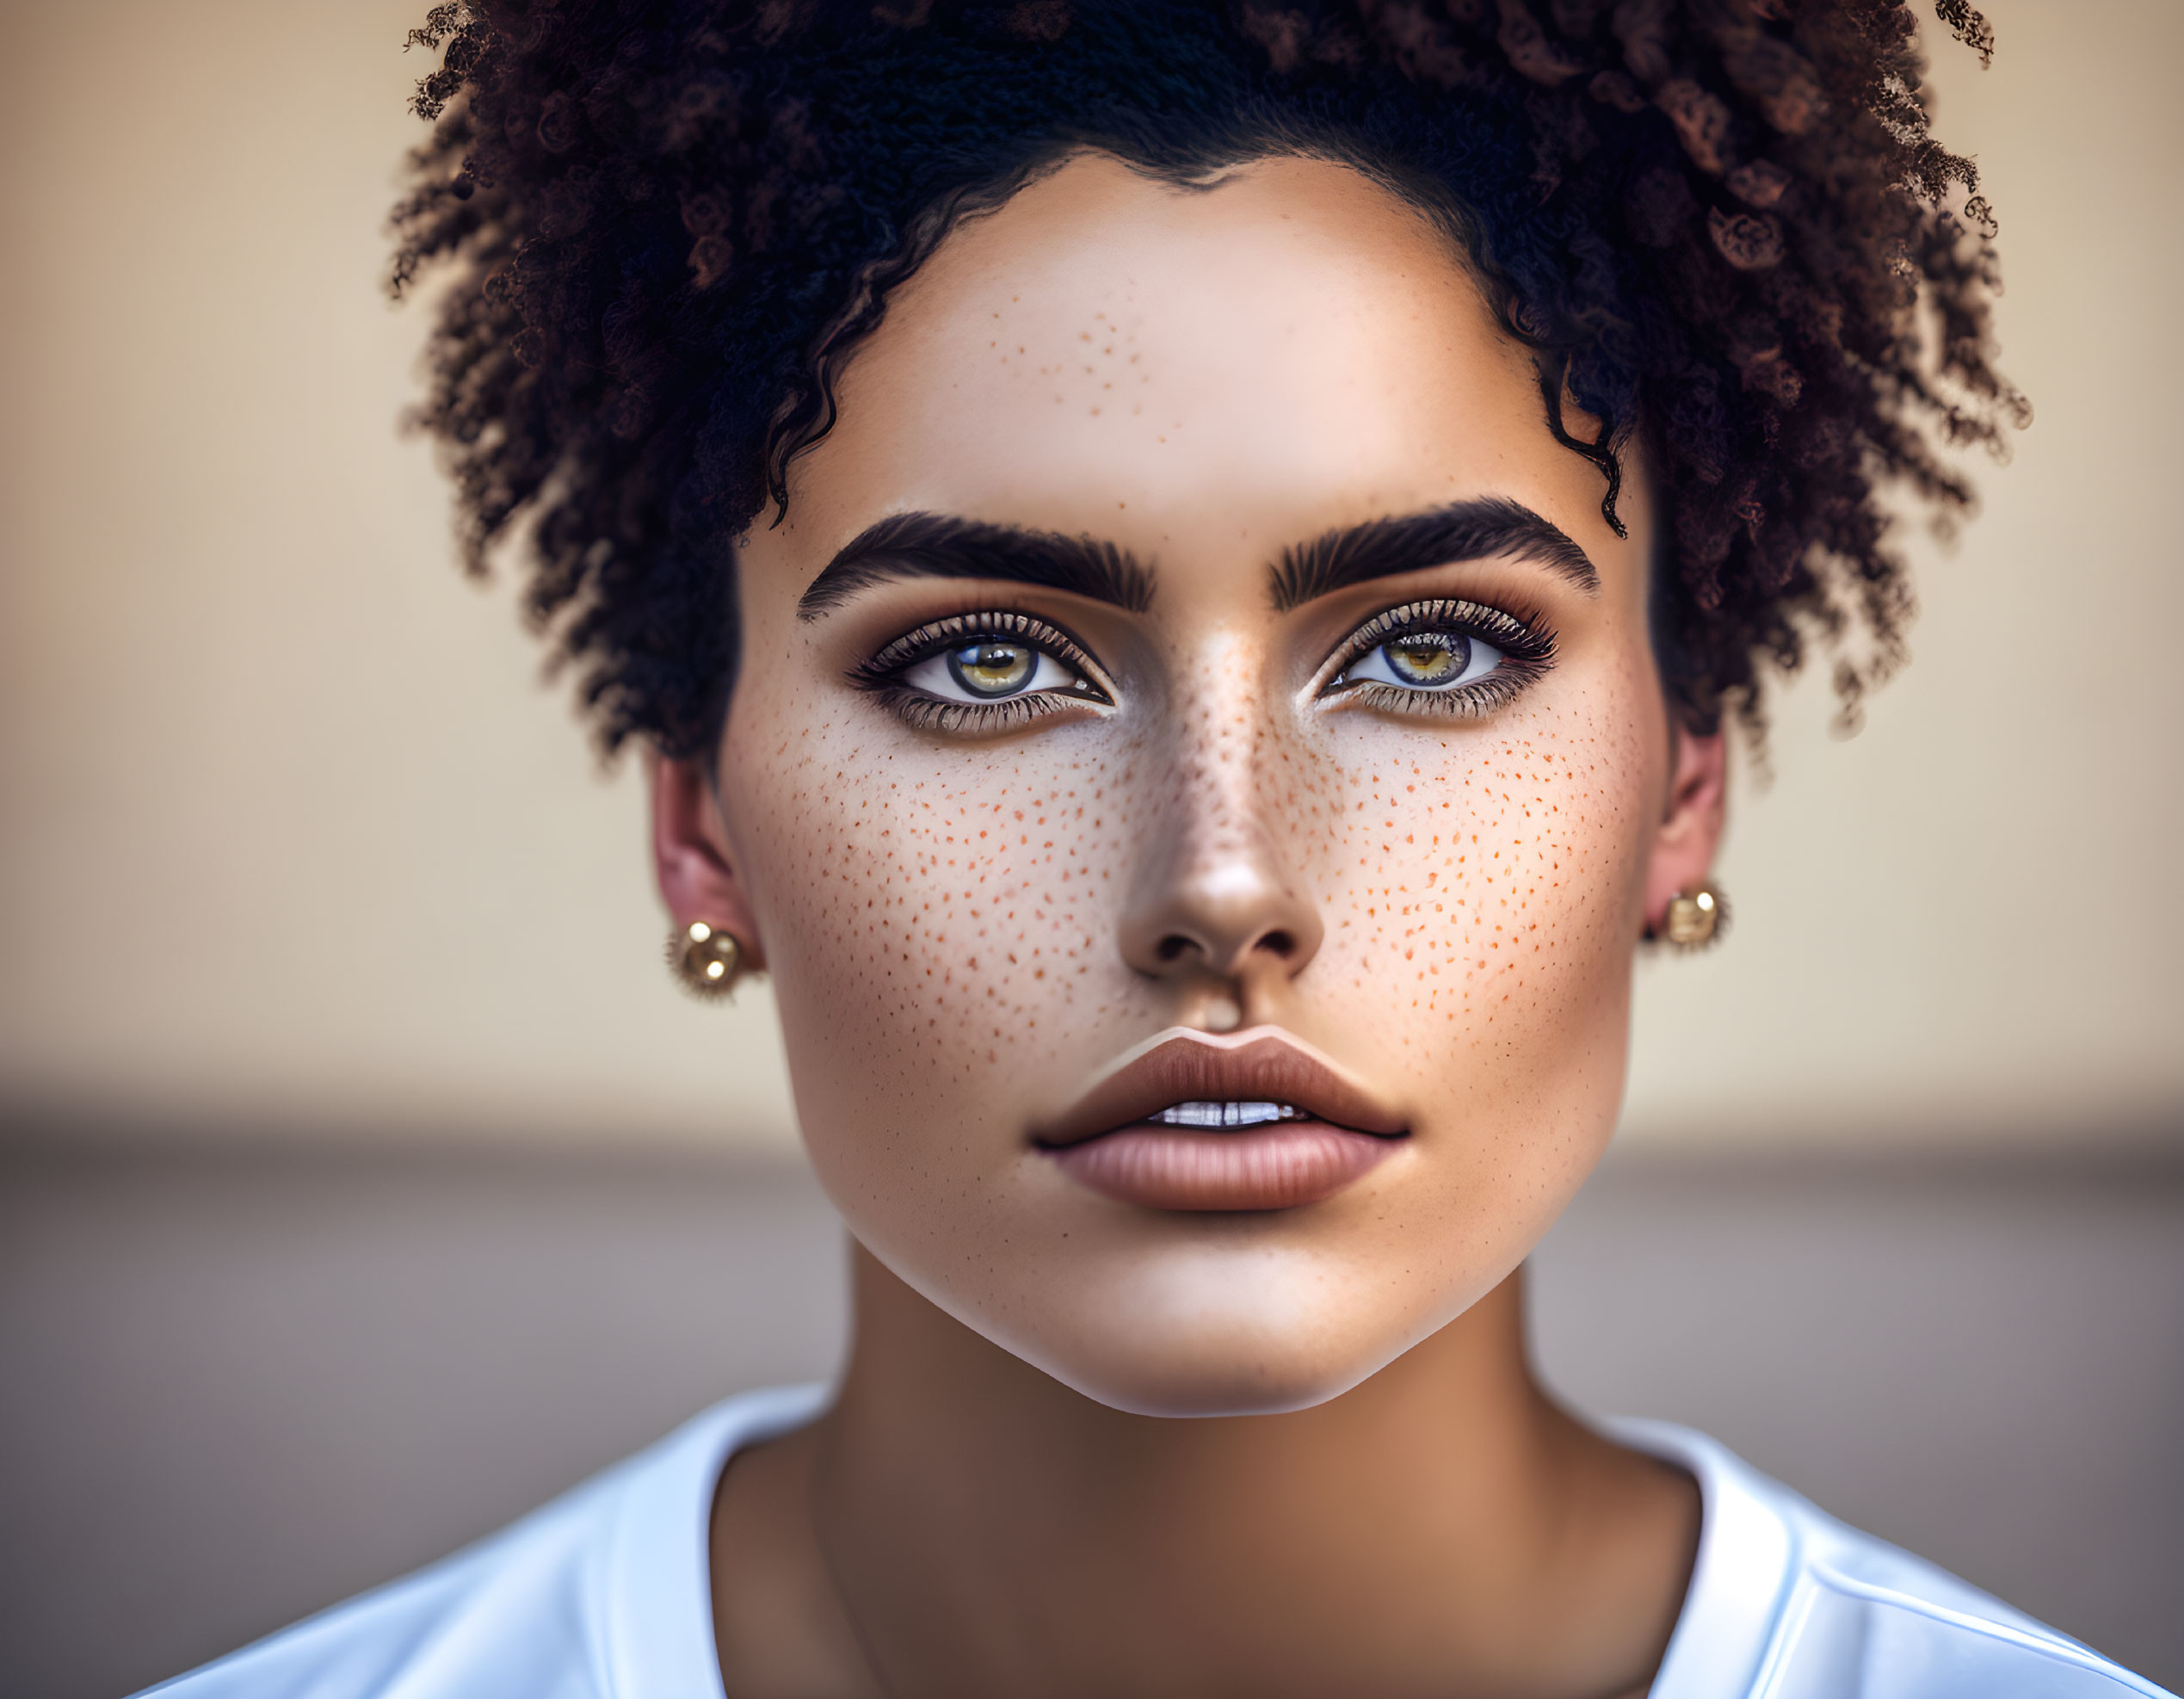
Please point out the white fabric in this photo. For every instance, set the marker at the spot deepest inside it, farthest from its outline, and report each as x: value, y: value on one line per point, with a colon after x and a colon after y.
x: 604, y: 1594
x: 1786, y: 1603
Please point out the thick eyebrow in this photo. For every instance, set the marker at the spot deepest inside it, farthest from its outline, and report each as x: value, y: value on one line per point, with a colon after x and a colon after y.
x: 940, y: 546
x: 1490, y: 527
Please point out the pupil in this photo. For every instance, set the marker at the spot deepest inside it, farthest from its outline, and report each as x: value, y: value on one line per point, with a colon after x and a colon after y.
x: 993, y: 668
x: 1429, y: 658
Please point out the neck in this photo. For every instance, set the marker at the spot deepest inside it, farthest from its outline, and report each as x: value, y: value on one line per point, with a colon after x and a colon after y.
x: 1443, y: 1527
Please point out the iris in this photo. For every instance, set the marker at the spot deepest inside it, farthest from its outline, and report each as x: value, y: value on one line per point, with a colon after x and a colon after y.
x: 1429, y: 659
x: 993, y: 668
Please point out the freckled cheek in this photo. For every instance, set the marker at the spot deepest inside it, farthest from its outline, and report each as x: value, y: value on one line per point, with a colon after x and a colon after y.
x: 925, y: 917
x: 1482, y: 886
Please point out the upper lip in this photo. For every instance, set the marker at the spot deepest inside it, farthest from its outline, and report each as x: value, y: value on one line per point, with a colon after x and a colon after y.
x: 1262, y: 1064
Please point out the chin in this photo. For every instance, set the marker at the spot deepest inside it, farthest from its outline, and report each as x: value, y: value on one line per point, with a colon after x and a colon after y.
x: 1239, y: 1337
x: 1235, y: 1387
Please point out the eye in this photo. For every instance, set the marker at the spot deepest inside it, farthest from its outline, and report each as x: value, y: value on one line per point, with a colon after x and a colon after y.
x: 1444, y: 656
x: 981, y: 672
x: 1426, y: 660
x: 990, y: 669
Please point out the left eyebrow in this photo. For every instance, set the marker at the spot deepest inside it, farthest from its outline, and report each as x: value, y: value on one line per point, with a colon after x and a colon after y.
x: 1491, y: 528
x: 942, y: 546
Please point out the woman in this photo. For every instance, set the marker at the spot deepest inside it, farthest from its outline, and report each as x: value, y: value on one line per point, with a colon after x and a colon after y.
x: 1180, y: 567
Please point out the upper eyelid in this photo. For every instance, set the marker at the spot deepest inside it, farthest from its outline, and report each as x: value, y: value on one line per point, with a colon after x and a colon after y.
x: 1437, y: 610
x: 922, y: 642
x: 955, y: 630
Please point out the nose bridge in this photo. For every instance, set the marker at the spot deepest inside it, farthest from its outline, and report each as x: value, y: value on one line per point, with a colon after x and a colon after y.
x: 1220, y: 740
x: 1212, y: 891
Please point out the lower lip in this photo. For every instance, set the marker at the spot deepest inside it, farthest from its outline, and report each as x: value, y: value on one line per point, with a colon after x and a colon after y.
x: 1281, y: 1166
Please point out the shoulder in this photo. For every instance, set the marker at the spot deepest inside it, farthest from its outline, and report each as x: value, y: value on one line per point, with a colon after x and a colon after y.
x: 1787, y: 1603
x: 601, y: 1594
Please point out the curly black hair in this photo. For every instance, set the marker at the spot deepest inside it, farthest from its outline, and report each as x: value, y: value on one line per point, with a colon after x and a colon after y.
x: 1716, y: 224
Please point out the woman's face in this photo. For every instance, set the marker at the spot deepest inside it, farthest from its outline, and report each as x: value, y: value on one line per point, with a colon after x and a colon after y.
x: 1247, y: 718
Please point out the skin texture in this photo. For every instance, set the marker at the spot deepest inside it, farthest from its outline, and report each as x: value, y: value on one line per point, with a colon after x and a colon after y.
x: 966, y: 928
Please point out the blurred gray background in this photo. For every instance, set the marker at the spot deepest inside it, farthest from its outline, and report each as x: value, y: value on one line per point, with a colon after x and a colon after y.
x: 363, y: 1181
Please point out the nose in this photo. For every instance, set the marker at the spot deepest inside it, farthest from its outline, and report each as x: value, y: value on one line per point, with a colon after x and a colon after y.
x: 1211, y: 899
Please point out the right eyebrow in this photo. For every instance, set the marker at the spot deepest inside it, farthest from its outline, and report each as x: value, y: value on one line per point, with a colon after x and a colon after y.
x: 942, y: 546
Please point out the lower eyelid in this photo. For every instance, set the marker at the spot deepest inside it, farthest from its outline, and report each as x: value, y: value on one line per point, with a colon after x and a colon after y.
x: 936, y: 713
x: 1462, y: 701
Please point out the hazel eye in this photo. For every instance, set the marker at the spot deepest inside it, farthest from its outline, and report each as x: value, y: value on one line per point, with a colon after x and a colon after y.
x: 994, y: 668
x: 1446, y: 656
x: 974, y: 674
x: 1425, y: 660
x: 991, y: 669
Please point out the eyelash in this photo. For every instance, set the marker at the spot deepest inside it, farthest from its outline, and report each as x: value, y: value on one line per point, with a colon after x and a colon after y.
x: 1527, y: 645
x: 883, y: 674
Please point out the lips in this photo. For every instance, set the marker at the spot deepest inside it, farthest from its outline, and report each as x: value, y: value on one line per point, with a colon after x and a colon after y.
x: 1336, y: 1131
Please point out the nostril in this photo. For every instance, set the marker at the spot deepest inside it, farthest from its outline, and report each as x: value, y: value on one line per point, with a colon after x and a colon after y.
x: 1280, y: 944
x: 1173, y: 947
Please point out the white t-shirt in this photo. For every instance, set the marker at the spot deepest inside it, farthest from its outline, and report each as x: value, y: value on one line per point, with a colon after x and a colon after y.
x: 604, y: 1594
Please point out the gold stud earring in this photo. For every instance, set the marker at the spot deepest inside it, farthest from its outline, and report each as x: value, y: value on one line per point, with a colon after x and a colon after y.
x: 705, y: 960
x: 1696, y: 919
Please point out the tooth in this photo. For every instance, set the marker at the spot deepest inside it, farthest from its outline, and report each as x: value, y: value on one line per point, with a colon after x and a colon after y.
x: 1226, y: 1114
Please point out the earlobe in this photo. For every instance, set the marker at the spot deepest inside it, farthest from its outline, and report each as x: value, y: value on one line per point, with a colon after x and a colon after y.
x: 1691, y: 822
x: 692, y: 859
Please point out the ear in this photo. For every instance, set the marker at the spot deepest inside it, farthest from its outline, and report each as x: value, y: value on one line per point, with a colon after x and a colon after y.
x: 691, y: 856
x: 1691, y: 821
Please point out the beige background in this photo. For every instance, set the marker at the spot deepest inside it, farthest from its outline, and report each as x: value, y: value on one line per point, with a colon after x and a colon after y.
x: 294, y: 840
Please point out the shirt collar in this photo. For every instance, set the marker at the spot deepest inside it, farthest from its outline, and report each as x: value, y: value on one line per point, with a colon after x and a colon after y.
x: 1747, y: 1562
x: 654, y: 1593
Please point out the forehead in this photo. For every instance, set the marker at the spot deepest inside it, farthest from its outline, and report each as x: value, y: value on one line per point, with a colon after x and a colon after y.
x: 1291, y: 348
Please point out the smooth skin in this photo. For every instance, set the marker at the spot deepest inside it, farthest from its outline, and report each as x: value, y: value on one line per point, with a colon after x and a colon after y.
x: 964, y: 924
